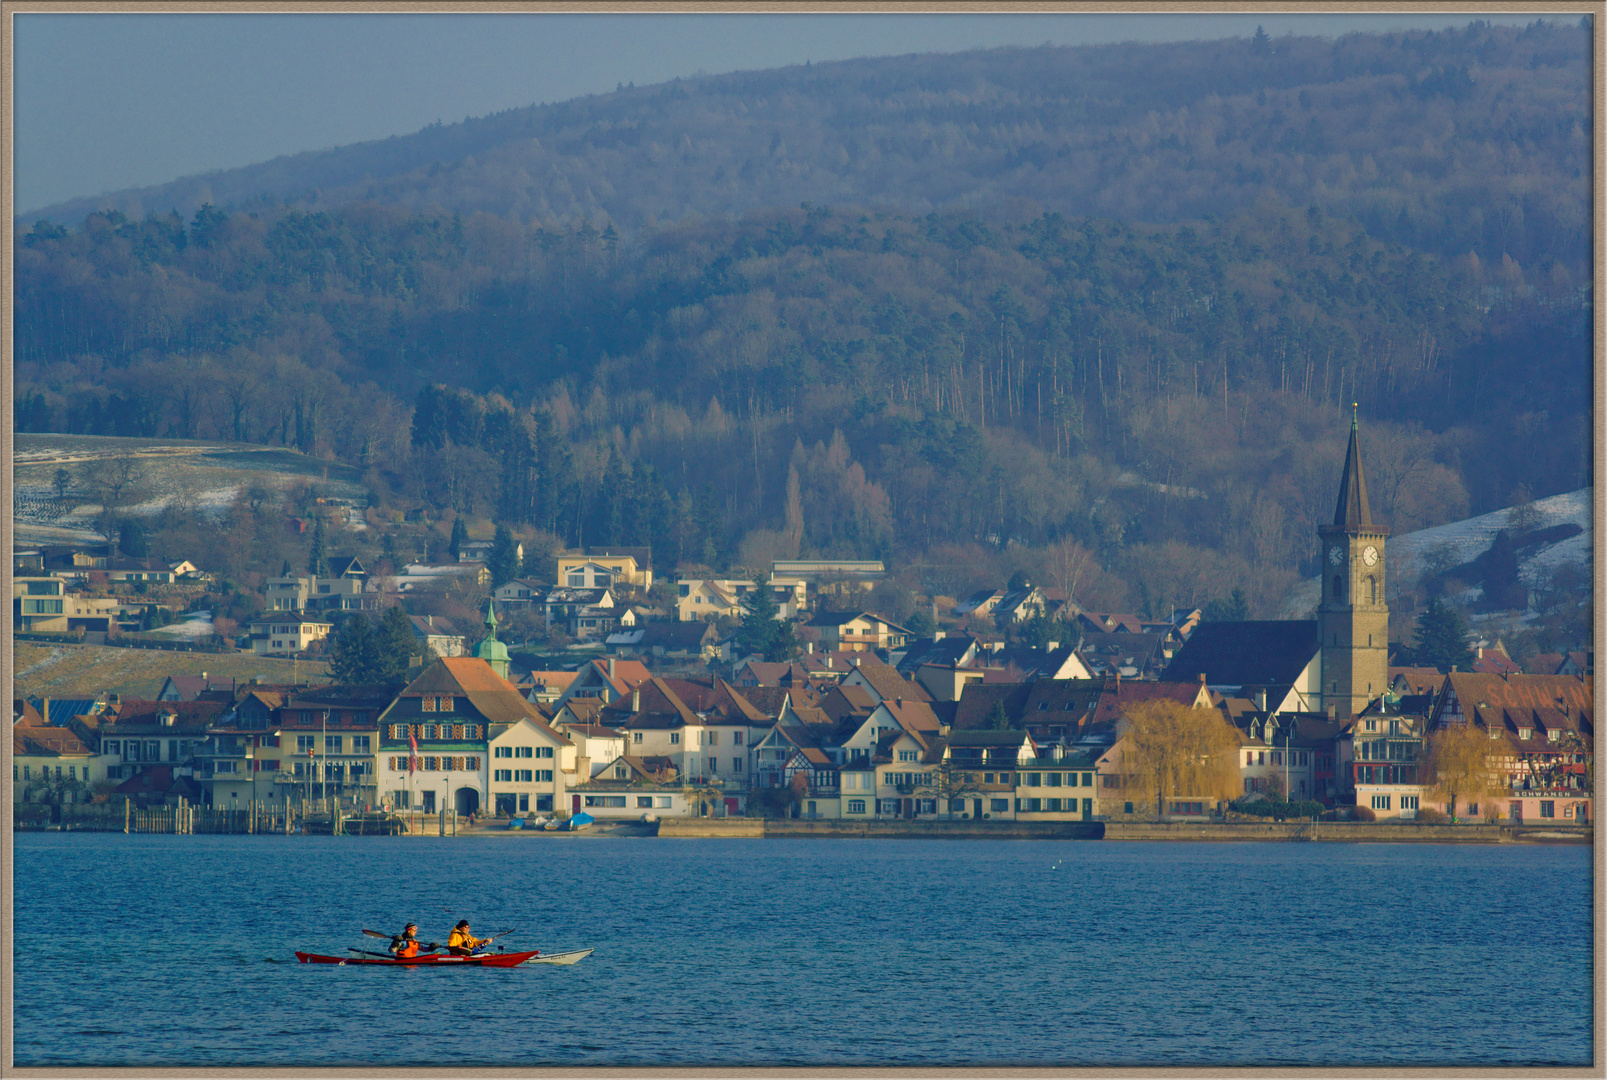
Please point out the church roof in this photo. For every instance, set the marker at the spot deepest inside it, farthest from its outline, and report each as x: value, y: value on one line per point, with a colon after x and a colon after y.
x: 1266, y: 653
x: 1353, y: 511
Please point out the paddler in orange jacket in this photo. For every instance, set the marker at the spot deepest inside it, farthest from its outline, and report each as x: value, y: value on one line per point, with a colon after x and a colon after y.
x: 463, y: 943
x: 405, y: 944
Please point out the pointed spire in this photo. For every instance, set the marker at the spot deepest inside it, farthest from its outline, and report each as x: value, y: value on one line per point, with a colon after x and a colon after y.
x: 1352, y: 511
x: 491, y: 619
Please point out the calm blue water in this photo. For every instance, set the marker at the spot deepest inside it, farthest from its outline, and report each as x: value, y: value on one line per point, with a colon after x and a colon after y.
x: 160, y: 950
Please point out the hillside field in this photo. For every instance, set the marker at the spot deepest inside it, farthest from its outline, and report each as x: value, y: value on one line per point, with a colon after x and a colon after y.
x: 60, y: 671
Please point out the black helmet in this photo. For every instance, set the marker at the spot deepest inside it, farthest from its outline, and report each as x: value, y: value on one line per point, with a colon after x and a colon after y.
x: 462, y: 923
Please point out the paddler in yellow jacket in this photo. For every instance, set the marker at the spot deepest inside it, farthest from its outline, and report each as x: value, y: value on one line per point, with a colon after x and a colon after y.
x: 463, y: 943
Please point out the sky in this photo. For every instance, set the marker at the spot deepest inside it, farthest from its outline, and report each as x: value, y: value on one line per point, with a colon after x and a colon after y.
x: 105, y: 102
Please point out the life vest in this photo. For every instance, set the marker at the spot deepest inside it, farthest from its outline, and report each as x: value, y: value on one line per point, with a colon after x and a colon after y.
x: 461, y: 940
x: 405, y: 948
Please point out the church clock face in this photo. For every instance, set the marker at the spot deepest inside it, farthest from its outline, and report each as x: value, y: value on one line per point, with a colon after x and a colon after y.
x: 1336, y: 555
x: 1369, y: 555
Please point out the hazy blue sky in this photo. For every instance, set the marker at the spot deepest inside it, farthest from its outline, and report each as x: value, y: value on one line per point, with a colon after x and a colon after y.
x: 105, y: 102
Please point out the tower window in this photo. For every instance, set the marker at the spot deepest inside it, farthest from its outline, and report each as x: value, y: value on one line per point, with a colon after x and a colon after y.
x: 1372, y: 590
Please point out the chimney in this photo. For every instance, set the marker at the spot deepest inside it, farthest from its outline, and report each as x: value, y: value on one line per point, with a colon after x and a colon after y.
x: 1202, y: 678
x: 44, y: 709
x: 1333, y: 712
x: 429, y: 620
x: 856, y: 659
x: 636, y: 699
x: 610, y: 667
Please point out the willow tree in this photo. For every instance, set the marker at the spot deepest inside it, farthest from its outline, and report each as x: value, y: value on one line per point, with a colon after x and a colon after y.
x: 1463, y: 762
x: 1172, y: 750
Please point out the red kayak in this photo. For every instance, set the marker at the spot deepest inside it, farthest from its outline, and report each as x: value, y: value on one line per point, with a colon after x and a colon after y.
x: 507, y: 959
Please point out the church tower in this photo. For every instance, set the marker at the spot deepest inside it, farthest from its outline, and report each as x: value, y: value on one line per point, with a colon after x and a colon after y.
x: 490, y: 649
x: 1353, y: 619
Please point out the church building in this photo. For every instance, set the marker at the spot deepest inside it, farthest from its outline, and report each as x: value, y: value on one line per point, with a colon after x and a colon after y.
x: 1335, y: 665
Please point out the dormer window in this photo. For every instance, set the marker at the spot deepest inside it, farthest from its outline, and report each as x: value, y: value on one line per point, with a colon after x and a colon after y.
x: 1525, y: 733
x: 1553, y: 735
x: 1495, y: 733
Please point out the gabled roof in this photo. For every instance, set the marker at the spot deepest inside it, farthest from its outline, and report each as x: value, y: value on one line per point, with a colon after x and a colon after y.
x: 978, y: 699
x: 653, y: 705
x: 887, y: 682
x: 769, y: 700
x: 345, y: 567
x: 683, y: 636
x: 954, y: 649
x: 1123, y: 694
x: 778, y: 674
x: 32, y: 740
x: 1565, y: 702
x: 1267, y: 653
x: 841, y: 701
x: 1418, y: 680
x: 1108, y: 622
x: 627, y: 674
x: 492, y: 696
x: 190, y: 687
x: 584, y: 710
x: 913, y: 715
x: 190, y: 715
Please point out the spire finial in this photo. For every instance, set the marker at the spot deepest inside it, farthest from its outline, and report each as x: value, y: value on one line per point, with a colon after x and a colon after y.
x: 1354, y: 405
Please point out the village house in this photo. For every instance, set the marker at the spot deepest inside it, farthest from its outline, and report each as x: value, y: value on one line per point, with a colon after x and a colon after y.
x: 520, y: 593
x: 633, y: 788
x: 1059, y: 787
x: 284, y: 633
x: 446, y: 713
x: 604, y: 568
x: 858, y: 631
x: 708, y: 598
x: 1542, y: 733
x: 44, y: 756
x: 308, y: 593
x: 532, y: 767
x: 438, y: 636
x: 584, y: 614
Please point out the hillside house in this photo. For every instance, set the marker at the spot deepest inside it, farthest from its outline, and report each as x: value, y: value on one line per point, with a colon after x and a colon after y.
x: 604, y: 568
x: 284, y: 633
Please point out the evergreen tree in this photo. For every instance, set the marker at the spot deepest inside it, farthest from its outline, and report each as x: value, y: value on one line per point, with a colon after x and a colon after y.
x: 1236, y: 608
x: 760, y: 631
x: 396, y: 642
x: 997, y: 719
x: 133, y: 540
x: 317, y: 554
x: 504, y: 559
x: 460, y: 533
x: 920, y: 623
x: 1442, y: 637
x: 354, y: 656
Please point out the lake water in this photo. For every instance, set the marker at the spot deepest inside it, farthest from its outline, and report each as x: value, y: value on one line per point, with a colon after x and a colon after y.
x: 176, y: 950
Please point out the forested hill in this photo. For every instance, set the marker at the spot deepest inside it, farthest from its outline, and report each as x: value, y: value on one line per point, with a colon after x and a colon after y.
x: 1473, y: 139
